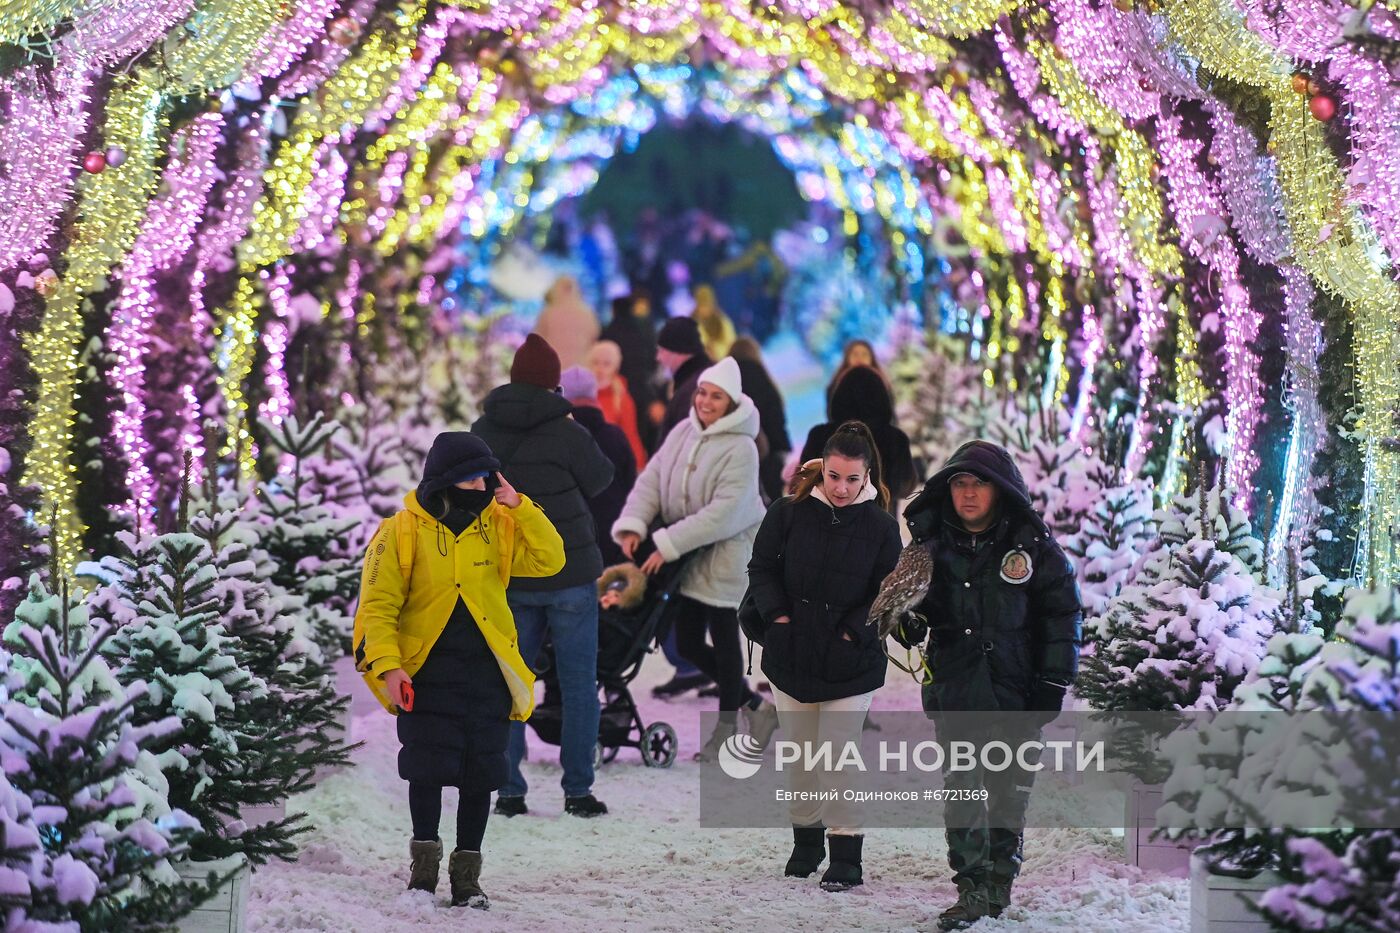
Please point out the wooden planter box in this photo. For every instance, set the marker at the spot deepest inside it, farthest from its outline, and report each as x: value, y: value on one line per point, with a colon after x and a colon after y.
x: 227, y: 910
x: 1218, y: 902
x: 1159, y: 855
x: 259, y: 814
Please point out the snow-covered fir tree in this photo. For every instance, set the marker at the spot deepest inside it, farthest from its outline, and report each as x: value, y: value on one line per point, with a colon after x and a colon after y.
x: 373, y: 448
x: 316, y: 546
x: 21, y: 860
x: 1229, y: 524
x: 1112, y: 533
x: 165, y: 596
x: 940, y: 399
x: 302, y: 705
x: 1187, y: 631
x: 70, y: 745
x: 1346, y: 879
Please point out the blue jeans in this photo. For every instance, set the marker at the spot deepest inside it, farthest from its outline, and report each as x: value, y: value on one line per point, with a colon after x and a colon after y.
x: 570, y: 616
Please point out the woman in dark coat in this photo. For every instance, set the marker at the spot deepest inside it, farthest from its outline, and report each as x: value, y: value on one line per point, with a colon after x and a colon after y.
x: 817, y: 565
x: 772, y: 418
x: 863, y: 396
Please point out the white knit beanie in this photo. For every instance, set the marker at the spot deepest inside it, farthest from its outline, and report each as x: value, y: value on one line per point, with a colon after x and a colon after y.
x: 725, y: 375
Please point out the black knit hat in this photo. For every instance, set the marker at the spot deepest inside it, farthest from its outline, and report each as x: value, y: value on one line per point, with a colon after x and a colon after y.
x: 681, y: 335
x: 455, y: 456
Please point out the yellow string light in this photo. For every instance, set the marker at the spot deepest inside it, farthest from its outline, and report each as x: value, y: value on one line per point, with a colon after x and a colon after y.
x: 113, y: 203
x: 1334, y: 243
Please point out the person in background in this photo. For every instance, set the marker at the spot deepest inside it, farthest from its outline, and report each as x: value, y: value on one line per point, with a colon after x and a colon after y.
x: 634, y: 333
x: 857, y: 353
x: 581, y: 390
x: 567, y: 323
x: 702, y: 486
x: 615, y: 399
x: 817, y: 566
x: 772, y: 417
x: 716, y: 329
x: 862, y: 396
x: 443, y: 634
x: 681, y: 354
x: 556, y: 461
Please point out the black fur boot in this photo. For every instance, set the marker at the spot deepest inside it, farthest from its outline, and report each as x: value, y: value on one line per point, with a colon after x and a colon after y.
x: 808, y: 851
x: 844, y: 871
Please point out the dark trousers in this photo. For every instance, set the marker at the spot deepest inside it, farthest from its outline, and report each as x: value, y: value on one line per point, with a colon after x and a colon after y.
x: 985, y: 836
x: 722, y: 662
x: 425, y: 809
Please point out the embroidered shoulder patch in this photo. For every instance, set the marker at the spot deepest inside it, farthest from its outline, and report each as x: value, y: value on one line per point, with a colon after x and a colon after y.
x: 1016, y: 566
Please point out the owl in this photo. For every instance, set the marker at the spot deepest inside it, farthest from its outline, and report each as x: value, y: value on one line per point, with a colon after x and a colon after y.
x: 903, y: 589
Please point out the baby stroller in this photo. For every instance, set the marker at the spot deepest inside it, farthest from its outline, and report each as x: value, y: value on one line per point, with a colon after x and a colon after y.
x: 626, y: 634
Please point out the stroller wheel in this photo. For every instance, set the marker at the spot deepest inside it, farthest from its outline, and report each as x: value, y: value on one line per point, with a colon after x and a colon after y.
x: 598, y: 758
x: 658, y: 745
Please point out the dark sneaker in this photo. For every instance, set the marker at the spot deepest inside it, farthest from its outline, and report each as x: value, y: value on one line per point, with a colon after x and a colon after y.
x: 511, y: 806
x: 711, y: 691
x: 585, y: 806
x: 679, y: 684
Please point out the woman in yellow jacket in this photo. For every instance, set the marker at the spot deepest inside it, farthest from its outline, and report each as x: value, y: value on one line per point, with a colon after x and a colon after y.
x: 437, y: 644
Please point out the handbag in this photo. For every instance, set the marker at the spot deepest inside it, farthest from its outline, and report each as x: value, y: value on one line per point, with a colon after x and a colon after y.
x: 751, y: 620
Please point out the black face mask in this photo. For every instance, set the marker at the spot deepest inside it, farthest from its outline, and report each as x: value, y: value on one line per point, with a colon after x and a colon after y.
x: 469, y: 500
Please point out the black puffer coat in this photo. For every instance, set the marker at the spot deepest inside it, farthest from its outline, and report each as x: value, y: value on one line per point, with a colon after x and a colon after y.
x: 607, y: 505
x: 1003, y: 607
x: 554, y: 460
x: 823, y: 574
x: 457, y: 731
x: 861, y: 395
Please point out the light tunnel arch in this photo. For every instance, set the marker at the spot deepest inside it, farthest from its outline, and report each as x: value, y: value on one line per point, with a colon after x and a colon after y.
x: 930, y: 74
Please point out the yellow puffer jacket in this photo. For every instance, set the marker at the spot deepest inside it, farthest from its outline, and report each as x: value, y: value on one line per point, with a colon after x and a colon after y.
x: 399, y: 619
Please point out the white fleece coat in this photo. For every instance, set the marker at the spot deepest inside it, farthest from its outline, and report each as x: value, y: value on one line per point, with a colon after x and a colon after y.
x: 703, y: 485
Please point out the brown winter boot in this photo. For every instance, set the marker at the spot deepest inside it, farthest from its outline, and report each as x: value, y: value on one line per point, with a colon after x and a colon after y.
x: 464, y: 871
x: 972, y: 906
x: 425, y: 855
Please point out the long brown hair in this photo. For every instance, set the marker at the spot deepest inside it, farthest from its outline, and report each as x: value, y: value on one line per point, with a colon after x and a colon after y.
x: 852, y: 439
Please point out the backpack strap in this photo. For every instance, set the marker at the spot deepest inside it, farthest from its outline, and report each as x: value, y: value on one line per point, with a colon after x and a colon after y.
x: 406, y: 533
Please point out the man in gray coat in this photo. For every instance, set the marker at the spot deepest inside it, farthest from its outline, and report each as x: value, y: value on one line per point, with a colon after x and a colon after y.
x: 555, y: 461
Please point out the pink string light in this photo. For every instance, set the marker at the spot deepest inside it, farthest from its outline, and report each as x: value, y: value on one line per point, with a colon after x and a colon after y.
x: 165, y: 237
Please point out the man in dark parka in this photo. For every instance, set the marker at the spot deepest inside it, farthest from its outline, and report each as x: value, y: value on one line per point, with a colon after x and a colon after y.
x: 1004, y: 617
x: 555, y: 461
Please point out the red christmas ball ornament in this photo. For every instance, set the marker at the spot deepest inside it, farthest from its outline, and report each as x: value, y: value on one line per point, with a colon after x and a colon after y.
x: 1323, y: 107
x: 94, y: 162
x: 344, y: 31
x: 417, y: 53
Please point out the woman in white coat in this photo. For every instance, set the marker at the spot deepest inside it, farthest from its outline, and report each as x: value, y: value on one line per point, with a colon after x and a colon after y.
x: 702, y: 484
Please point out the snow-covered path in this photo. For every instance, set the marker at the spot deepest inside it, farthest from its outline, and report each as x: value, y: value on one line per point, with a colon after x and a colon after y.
x: 648, y: 865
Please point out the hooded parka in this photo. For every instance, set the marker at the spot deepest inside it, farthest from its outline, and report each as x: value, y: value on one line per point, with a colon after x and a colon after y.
x: 703, y: 486
x: 1003, y: 606
x: 447, y: 625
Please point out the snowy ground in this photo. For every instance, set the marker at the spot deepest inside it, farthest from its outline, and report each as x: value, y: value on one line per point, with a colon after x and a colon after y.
x: 648, y: 865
